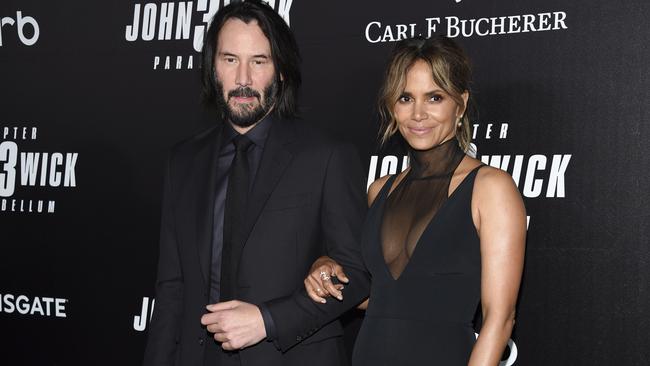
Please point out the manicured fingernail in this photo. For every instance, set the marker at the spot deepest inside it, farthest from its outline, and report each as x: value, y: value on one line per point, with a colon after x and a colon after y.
x: 323, y: 301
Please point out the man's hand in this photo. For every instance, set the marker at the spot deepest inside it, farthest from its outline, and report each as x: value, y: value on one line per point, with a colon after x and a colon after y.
x: 235, y: 324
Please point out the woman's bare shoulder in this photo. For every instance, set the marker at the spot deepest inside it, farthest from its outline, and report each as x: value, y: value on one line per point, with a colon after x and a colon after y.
x: 378, y: 184
x: 376, y: 187
x: 495, y: 186
x: 493, y: 178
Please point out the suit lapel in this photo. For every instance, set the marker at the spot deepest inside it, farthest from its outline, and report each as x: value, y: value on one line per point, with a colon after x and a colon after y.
x: 206, y: 187
x: 275, y: 159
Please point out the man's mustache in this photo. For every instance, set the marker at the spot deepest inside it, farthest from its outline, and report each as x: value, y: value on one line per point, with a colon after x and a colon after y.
x: 243, y: 92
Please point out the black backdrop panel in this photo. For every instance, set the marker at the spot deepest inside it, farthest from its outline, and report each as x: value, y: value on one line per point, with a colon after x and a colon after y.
x: 90, y: 102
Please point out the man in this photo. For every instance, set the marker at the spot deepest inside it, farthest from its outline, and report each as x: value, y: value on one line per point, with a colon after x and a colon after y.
x: 248, y: 206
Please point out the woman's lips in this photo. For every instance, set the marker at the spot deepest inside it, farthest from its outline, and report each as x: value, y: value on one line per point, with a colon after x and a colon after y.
x: 419, y: 130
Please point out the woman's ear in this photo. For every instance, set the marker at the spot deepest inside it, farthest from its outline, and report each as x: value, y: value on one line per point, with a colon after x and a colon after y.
x: 463, y: 109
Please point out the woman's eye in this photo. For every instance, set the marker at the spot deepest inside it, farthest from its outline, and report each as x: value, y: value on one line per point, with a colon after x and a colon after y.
x: 404, y: 99
x: 436, y: 98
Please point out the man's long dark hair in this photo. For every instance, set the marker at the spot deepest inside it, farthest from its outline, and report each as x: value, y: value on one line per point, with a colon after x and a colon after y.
x: 284, y: 51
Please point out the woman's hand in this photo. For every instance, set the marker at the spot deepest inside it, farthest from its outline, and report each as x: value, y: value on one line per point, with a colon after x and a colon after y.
x: 319, y: 283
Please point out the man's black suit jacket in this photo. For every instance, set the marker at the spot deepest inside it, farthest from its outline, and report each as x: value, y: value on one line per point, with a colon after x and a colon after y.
x: 308, y: 199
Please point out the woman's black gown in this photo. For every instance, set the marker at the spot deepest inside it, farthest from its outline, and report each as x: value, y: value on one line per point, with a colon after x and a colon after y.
x: 422, y: 251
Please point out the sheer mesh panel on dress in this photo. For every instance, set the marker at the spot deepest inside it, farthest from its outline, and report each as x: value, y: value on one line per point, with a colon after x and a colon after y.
x: 415, y: 201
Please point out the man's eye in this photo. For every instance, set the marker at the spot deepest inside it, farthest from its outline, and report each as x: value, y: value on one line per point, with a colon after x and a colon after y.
x: 230, y: 60
x: 258, y: 62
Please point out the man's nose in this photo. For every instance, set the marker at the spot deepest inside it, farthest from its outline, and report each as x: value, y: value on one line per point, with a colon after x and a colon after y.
x: 243, y: 75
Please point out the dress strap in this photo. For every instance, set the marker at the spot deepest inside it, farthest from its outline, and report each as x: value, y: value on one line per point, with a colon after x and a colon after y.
x: 470, y: 178
x: 389, y: 183
x: 476, y: 169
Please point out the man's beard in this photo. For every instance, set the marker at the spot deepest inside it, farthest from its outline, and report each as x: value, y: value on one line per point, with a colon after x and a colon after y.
x: 246, y: 115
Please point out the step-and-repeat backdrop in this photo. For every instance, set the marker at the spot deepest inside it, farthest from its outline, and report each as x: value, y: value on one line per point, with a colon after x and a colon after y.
x: 93, y: 93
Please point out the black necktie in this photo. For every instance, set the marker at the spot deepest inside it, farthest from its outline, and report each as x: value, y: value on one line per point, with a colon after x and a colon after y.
x: 234, y: 214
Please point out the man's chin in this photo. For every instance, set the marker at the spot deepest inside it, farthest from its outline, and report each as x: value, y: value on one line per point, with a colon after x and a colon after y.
x: 244, y: 119
x: 245, y: 114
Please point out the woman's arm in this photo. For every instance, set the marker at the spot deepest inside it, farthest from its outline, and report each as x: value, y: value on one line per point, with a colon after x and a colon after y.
x: 500, y: 218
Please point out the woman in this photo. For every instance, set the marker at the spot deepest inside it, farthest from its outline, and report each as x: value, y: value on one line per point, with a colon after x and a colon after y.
x: 441, y: 237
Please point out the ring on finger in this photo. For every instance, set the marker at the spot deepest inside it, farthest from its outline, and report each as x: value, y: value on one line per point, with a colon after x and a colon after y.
x: 325, y: 276
x: 319, y: 290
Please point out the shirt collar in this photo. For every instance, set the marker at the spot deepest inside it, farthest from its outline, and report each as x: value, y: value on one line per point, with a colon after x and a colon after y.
x: 260, y: 132
x: 257, y: 134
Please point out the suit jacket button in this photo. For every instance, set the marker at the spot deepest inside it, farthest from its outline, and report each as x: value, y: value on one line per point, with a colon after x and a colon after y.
x: 200, y: 341
x: 298, y: 338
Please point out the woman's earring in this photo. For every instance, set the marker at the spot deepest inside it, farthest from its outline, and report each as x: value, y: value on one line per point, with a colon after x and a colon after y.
x: 459, y: 123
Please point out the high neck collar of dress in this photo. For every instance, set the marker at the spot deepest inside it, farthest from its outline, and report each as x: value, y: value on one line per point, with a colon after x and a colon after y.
x: 436, y: 162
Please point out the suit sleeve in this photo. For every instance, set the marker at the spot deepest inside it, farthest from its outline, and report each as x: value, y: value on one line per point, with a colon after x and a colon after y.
x: 343, y: 208
x: 163, y: 330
